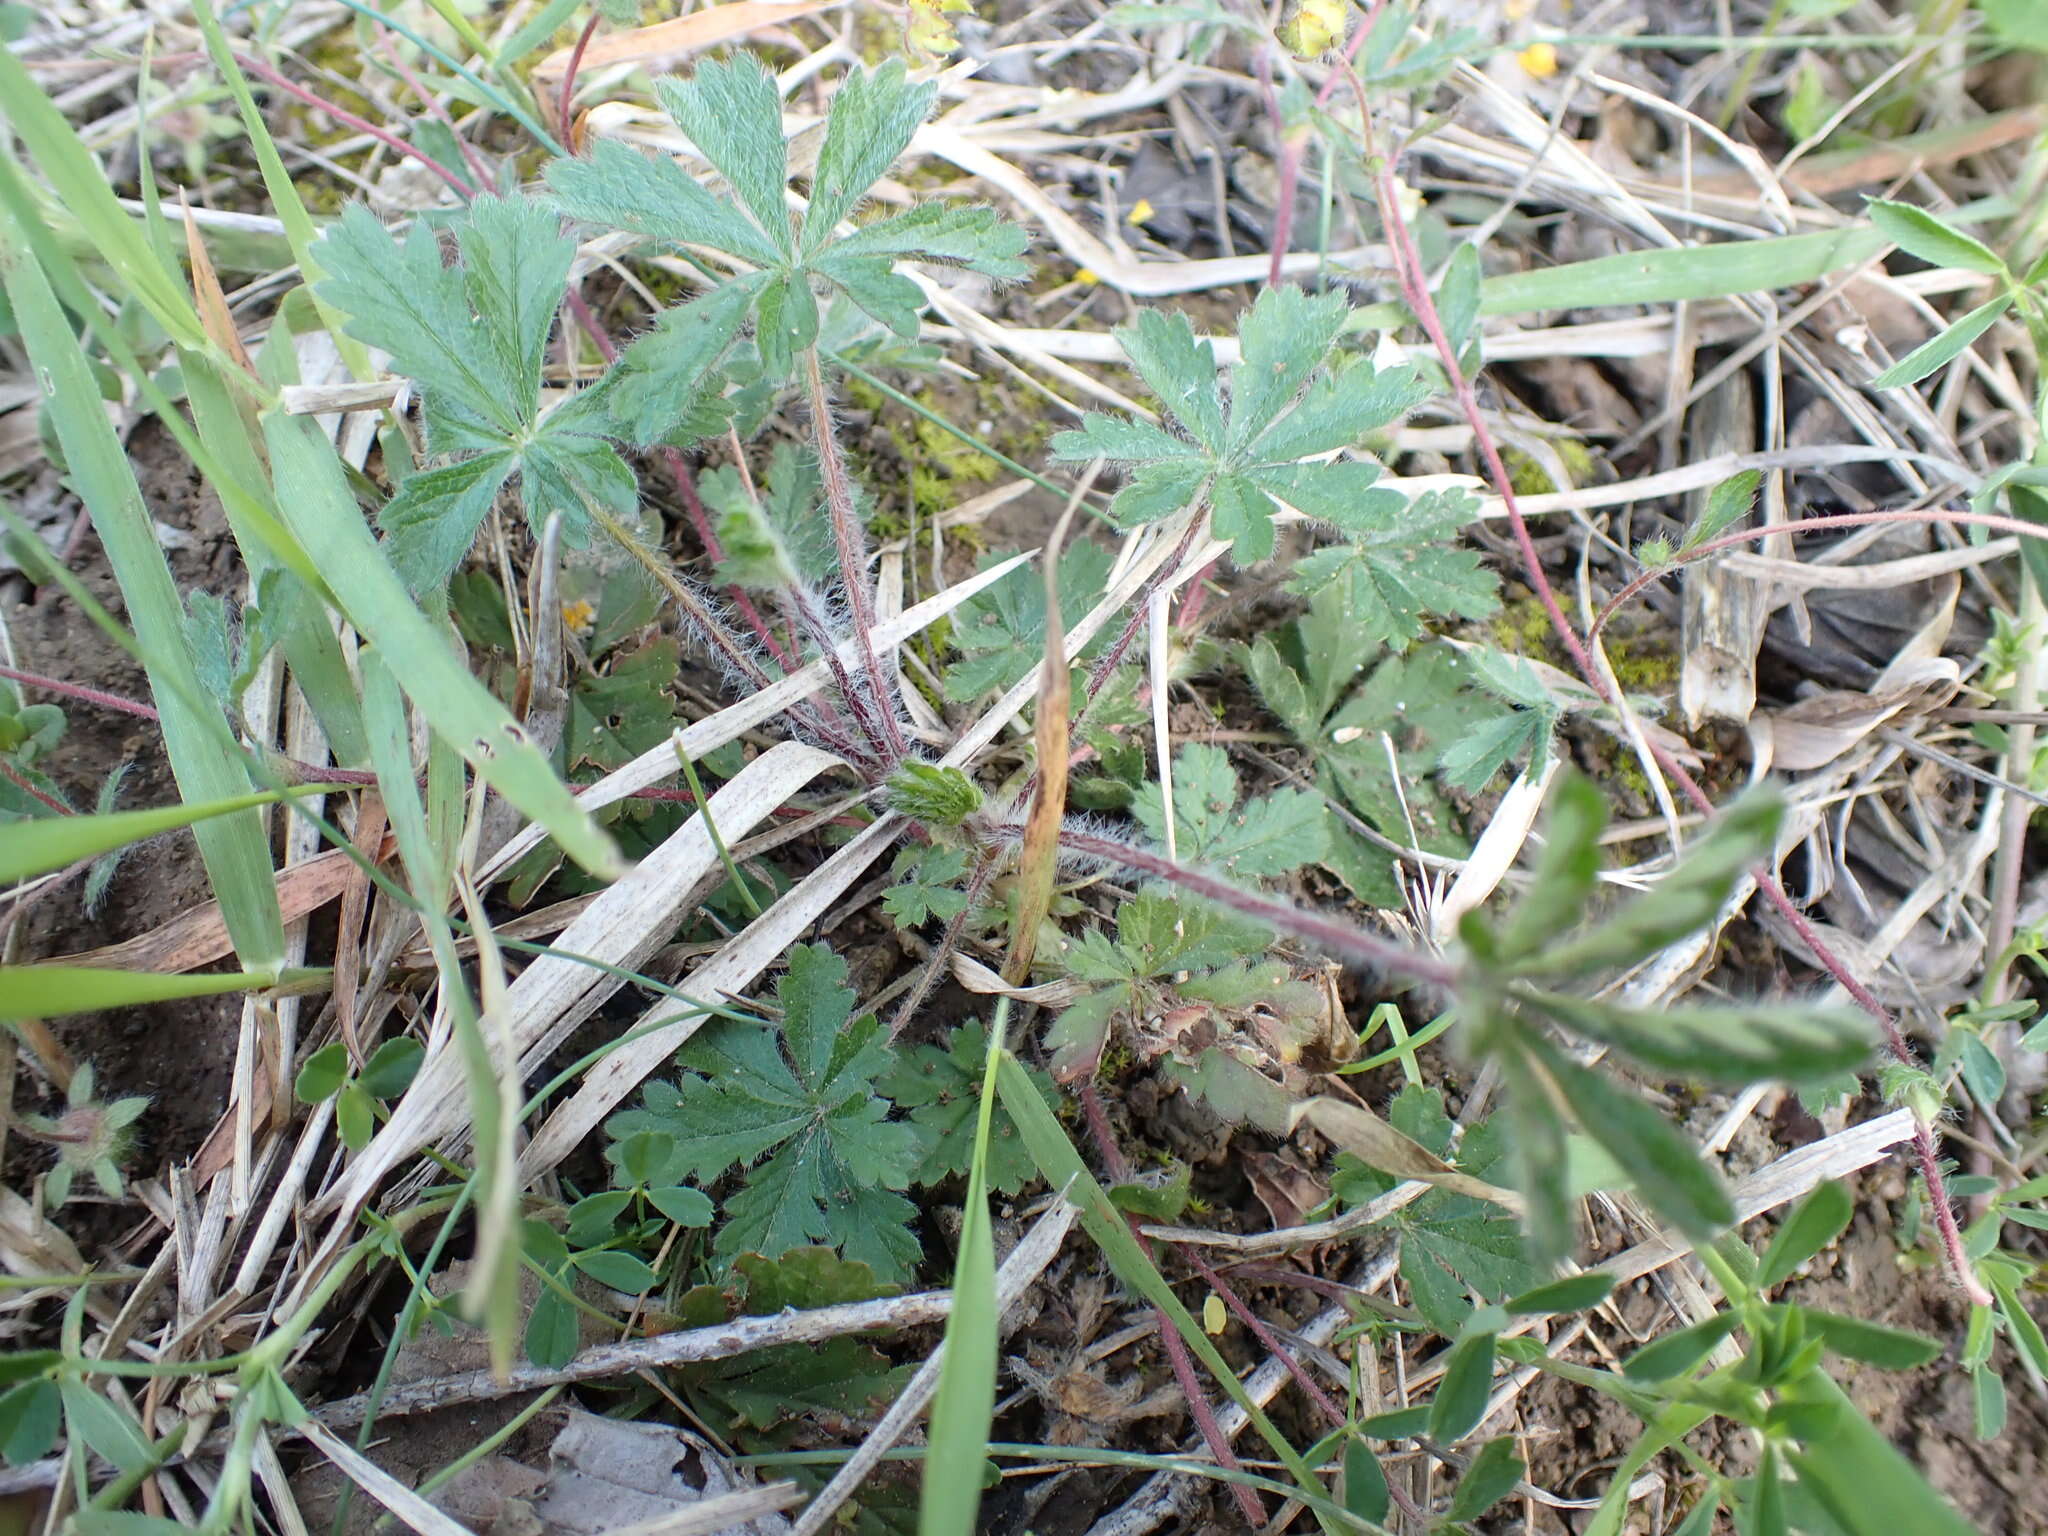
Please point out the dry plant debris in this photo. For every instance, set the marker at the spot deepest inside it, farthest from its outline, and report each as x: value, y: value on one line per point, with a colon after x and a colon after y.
x: 1079, y: 768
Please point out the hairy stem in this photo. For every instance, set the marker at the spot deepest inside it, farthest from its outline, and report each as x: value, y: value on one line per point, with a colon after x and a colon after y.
x: 1415, y: 290
x: 1337, y: 938
x: 853, y: 563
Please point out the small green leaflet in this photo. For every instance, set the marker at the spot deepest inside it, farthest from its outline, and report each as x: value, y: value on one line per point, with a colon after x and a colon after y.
x: 942, y: 1090
x: 1274, y: 833
x: 1402, y: 562
x: 928, y: 885
x: 1000, y: 632
x: 732, y: 113
x: 1470, y: 762
x: 1453, y: 1247
x: 789, y: 494
x: 808, y: 1104
x: 1286, y: 406
x: 473, y: 337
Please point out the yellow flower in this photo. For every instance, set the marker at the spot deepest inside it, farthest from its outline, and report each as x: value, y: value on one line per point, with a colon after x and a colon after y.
x: 579, y: 617
x: 1314, y: 26
x: 1086, y: 277
x: 1141, y: 211
x: 1539, y: 60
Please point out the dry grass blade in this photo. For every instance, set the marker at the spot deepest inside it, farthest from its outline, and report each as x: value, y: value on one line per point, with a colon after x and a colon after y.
x: 414, y: 1511
x: 1038, y: 856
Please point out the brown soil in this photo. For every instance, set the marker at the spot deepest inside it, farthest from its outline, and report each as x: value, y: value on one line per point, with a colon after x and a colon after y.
x: 181, y: 1055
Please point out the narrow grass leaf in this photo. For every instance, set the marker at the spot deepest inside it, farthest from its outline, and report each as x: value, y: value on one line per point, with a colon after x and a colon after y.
x: 1063, y: 1169
x: 1944, y: 348
x: 460, y: 709
x: 1919, y: 233
x: 1679, y: 275
x: 233, y: 846
x: 949, y: 1501
x: 1820, y: 1218
x: 84, y: 194
x: 47, y: 991
x: 37, y: 847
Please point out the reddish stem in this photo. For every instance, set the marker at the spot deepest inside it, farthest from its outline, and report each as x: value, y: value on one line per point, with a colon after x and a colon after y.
x: 1408, y: 268
x: 1177, y: 1355
x: 14, y: 777
x: 1331, y: 1413
x: 1325, y: 933
x: 470, y: 157
x: 348, y: 119
x: 563, y: 109
x: 79, y: 691
x: 1292, y: 145
x: 1827, y: 524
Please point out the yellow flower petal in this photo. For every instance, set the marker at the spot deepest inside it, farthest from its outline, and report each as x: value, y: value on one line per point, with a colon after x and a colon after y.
x: 1141, y: 211
x: 1539, y: 60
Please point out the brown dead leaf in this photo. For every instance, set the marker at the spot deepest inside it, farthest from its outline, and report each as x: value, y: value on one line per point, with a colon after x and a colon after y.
x: 193, y: 938
x: 667, y: 41
x: 1374, y: 1142
x: 214, y: 315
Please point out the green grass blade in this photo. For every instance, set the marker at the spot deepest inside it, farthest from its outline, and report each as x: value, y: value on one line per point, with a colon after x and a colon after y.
x: 277, y: 182
x: 37, y: 847
x: 234, y: 846
x: 1680, y: 274
x: 949, y: 1501
x: 1061, y: 1165
x: 84, y: 193
x: 48, y: 991
x: 325, y: 518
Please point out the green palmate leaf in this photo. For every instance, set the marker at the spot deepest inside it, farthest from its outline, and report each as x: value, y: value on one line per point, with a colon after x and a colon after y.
x: 1736, y: 1045
x: 807, y: 1104
x: 942, y: 1090
x: 1683, y: 901
x: 473, y: 337
x: 776, y: 539
x: 1000, y: 631
x: 928, y: 885
x: 731, y: 112
x: 1666, y: 1168
x: 1817, y: 1221
x: 1400, y: 563
x: 1944, y: 348
x: 1919, y: 233
x: 1286, y: 406
x: 1454, y: 1247
x: 841, y: 1378
x: 1271, y: 834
